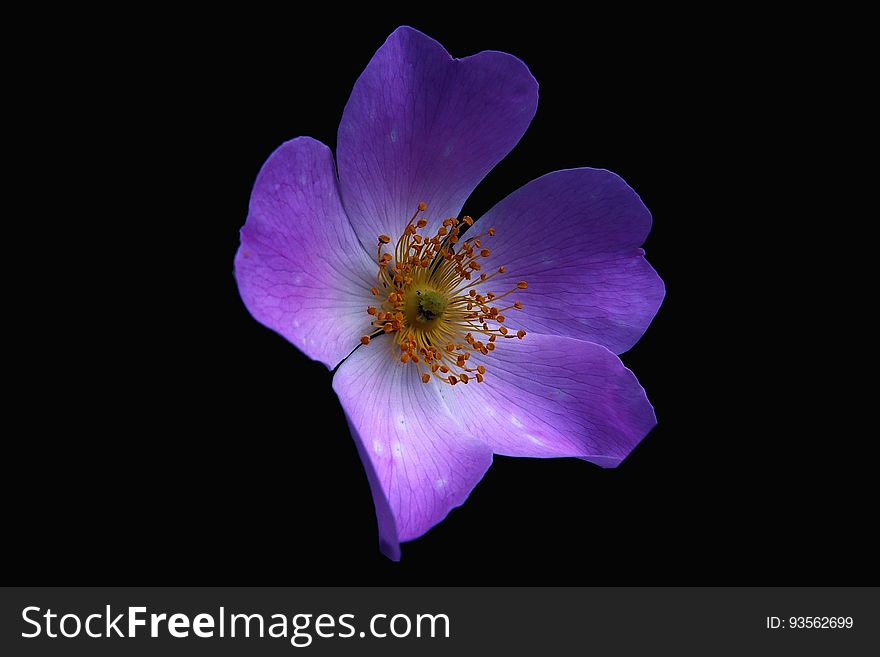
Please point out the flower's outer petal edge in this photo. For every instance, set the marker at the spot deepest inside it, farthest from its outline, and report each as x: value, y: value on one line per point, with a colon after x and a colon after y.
x: 420, y: 458
x: 551, y: 396
x: 586, y: 271
x: 300, y: 268
x: 423, y: 126
x: 389, y: 543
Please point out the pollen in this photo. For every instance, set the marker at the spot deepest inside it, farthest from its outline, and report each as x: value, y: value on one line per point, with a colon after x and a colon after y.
x: 436, y: 318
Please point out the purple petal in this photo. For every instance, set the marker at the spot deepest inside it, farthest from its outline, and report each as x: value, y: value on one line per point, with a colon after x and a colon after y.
x: 300, y: 269
x: 421, y: 126
x: 574, y: 236
x: 547, y: 396
x: 421, y: 457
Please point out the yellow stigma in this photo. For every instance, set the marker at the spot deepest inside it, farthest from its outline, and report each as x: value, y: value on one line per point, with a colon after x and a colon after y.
x: 430, y: 305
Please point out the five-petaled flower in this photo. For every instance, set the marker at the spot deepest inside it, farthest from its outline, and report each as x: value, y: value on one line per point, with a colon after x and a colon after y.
x: 457, y: 340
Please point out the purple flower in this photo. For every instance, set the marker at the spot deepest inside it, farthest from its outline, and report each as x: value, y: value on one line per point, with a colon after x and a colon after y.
x: 447, y: 355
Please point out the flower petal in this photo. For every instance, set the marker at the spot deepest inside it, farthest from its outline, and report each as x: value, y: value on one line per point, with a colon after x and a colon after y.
x: 421, y: 459
x: 547, y: 396
x: 300, y: 269
x: 422, y: 126
x: 574, y: 236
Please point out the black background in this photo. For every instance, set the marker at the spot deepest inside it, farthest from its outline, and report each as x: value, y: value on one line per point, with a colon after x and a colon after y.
x: 177, y: 441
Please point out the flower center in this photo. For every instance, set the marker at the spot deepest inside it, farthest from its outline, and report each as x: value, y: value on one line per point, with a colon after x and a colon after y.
x: 424, y: 307
x: 430, y: 304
